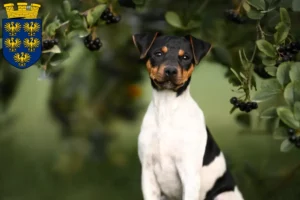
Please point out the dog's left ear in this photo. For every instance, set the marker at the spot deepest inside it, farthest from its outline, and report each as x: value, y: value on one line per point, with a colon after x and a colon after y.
x: 144, y: 41
x: 200, y: 48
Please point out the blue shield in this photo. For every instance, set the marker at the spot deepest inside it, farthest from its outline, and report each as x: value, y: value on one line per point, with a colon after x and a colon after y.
x: 22, y: 41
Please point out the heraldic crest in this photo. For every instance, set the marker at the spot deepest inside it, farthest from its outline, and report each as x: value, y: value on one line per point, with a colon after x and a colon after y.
x: 22, y: 35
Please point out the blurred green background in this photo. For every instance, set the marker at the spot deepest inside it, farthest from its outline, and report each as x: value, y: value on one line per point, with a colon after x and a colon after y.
x: 70, y: 132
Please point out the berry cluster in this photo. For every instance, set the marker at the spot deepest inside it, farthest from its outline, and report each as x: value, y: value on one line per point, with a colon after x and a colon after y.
x: 92, y: 44
x: 109, y: 17
x: 49, y: 44
x: 233, y: 16
x: 293, y: 138
x: 288, y: 52
x: 243, y: 106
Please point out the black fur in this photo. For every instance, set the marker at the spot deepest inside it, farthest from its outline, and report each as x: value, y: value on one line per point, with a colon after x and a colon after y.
x: 224, y: 183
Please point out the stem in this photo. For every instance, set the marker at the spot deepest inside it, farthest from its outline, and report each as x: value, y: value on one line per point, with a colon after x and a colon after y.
x: 240, y: 6
x: 262, y: 33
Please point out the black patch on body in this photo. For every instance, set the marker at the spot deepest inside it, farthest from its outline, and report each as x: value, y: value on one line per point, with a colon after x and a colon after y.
x: 225, y: 182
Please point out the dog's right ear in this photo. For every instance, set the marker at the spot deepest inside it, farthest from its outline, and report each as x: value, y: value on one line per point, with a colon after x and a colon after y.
x: 144, y: 41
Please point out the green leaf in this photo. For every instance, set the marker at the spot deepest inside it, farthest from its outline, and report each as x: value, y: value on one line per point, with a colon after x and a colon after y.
x: 139, y: 2
x: 77, y: 33
x: 266, y: 47
x: 268, y: 61
x: 295, y: 72
x: 282, y: 32
x: 297, y: 110
x: 254, y: 14
x: 52, y: 27
x: 269, y: 113
x: 296, y: 6
x: 271, y: 70
x: 102, y: 1
x: 258, y: 4
x: 269, y: 89
x: 286, y: 146
x: 292, y: 92
x: 67, y: 7
x: 236, y: 74
x: 0, y: 43
x: 246, y: 6
x: 283, y: 73
x: 279, y: 133
x: 173, y: 19
x: 54, y: 49
x: 285, y: 17
x: 287, y: 116
x: 94, y: 14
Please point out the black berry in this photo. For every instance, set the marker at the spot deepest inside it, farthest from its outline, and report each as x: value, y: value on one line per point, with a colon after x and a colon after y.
x: 297, y: 142
x: 233, y: 16
x: 254, y: 105
x: 233, y: 100
x: 242, y: 106
x: 92, y: 45
x: 48, y: 44
x: 109, y: 17
x: 293, y: 138
x: 291, y: 132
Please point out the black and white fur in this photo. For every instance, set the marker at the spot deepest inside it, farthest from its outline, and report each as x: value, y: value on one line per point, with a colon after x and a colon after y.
x: 179, y: 157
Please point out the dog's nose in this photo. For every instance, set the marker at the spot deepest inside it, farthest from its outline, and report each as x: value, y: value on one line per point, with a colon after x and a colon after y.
x: 170, y: 71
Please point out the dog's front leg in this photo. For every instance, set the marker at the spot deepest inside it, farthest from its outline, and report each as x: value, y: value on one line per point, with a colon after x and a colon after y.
x: 189, y: 167
x: 151, y: 190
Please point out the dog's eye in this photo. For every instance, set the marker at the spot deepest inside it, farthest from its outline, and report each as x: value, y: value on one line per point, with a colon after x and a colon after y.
x: 158, y: 54
x: 185, y: 57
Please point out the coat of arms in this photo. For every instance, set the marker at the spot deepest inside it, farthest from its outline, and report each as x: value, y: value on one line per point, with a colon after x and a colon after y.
x: 22, y: 35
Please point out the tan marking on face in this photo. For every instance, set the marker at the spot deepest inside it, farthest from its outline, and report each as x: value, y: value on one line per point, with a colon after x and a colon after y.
x: 180, y: 52
x: 183, y: 75
x: 152, y: 70
x: 164, y: 49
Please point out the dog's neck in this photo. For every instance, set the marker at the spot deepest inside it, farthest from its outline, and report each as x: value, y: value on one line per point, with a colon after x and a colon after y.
x: 166, y: 102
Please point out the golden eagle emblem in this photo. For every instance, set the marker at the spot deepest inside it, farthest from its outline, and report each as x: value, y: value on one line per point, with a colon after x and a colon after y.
x: 12, y: 28
x: 31, y: 43
x: 12, y: 44
x: 22, y: 58
x: 31, y: 28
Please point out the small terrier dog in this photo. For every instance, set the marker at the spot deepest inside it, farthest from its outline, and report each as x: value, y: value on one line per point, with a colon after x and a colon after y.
x: 179, y: 157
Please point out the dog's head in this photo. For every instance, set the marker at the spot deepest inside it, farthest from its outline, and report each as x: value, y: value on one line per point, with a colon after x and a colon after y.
x: 170, y: 60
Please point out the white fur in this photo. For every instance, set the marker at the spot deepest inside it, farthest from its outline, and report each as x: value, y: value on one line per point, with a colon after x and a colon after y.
x: 171, y: 147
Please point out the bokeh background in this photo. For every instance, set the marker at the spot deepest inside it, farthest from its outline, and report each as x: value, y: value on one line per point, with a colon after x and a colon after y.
x: 69, y: 127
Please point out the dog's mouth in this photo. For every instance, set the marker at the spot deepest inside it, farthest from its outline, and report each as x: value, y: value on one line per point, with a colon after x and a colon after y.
x: 166, y: 84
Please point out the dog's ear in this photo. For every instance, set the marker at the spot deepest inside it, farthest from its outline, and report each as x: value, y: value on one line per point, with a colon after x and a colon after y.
x: 144, y: 41
x: 200, y: 48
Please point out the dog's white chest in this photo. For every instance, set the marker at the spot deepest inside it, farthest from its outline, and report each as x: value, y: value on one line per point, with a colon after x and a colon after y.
x: 167, y: 127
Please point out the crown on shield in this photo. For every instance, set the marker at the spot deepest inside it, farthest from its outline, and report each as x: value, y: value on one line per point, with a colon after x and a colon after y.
x: 24, y: 10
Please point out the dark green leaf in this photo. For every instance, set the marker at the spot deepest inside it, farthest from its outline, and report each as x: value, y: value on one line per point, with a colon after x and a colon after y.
x: 283, y: 73
x: 258, y: 4
x: 297, y: 110
x: 102, y: 1
x: 139, y: 2
x: 268, y: 61
x: 287, y: 116
x: 280, y: 133
x: 269, y: 89
x: 173, y: 19
x: 269, y: 113
x: 246, y: 6
x: 292, y: 92
x: 282, y: 32
x: 254, y: 14
x: 244, y: 119
x: 0, y: 43
x: 66, y: 7
x: 296, y: 5
x: 295, y: 72
x: 286, y: 146
x: 266, y: 47
x: 285, y: 17
x: 271, y: 70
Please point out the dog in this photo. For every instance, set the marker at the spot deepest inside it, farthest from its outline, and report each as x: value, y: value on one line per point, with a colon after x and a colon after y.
x: 180, y: 159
